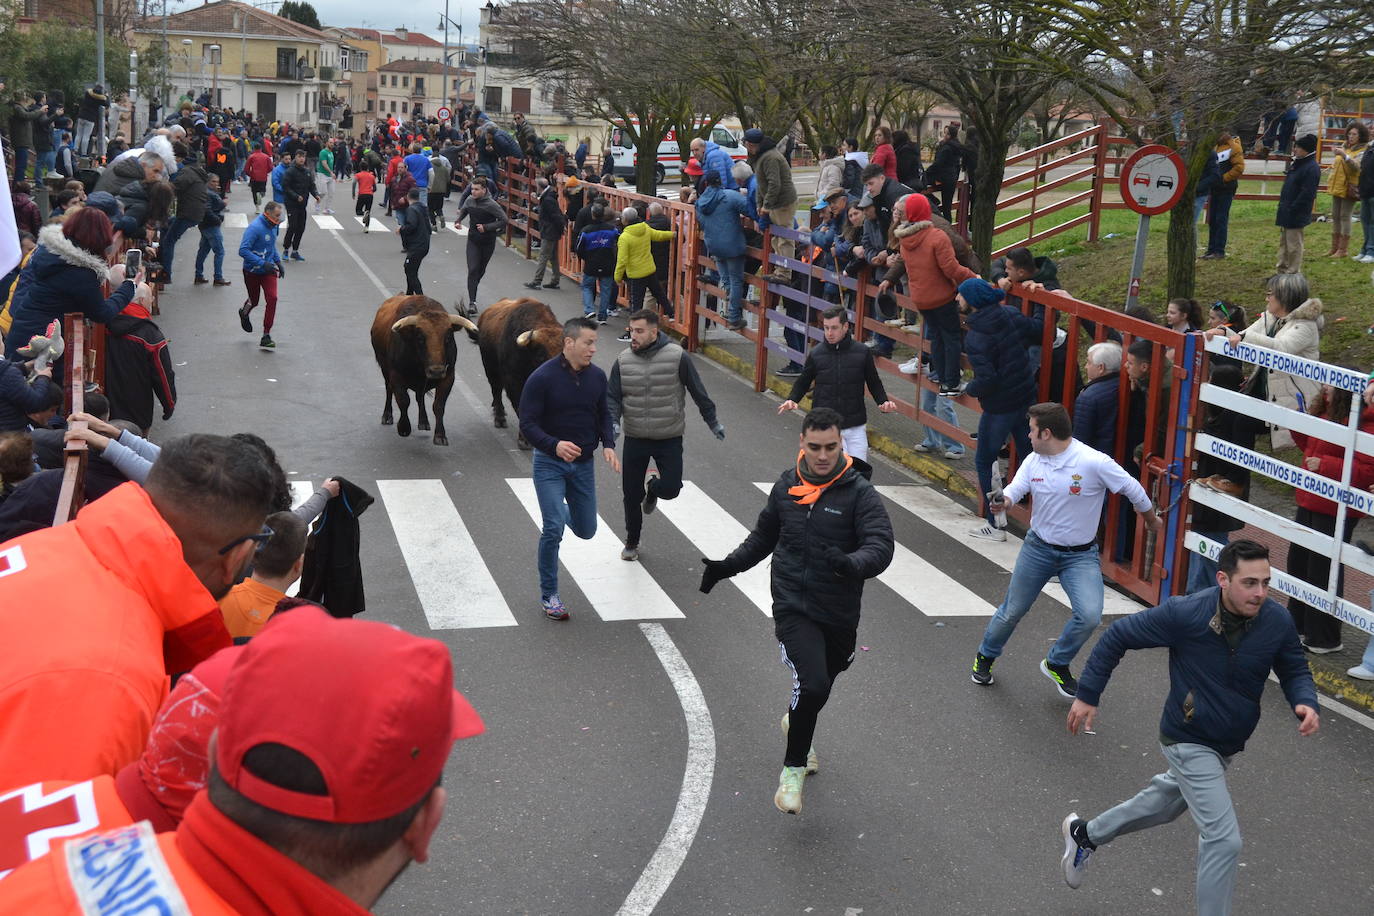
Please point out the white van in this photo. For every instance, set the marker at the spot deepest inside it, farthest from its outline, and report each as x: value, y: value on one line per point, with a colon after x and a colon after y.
x: 670, y: 160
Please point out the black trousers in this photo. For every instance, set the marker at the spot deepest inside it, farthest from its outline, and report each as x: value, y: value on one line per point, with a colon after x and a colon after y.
x: 435, y: 203
x: 1320, y: 629
x: 295, y: 226
x: 412, y: 268
x: 667, y: 457
x: 479, y: 253
x: 816, y: 654
x: 638, y: 286
x: 363, y: 208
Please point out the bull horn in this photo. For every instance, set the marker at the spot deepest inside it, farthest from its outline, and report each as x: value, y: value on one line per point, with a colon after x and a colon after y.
x: 460, y: 322
x: 409, y: 321
x: 524, y: 339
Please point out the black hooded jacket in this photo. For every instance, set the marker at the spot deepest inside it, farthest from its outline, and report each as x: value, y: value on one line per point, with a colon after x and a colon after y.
x: 333, y: 574
x: 849, y: 516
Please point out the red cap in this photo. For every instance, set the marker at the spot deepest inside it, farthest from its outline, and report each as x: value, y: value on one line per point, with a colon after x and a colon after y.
x: 693, y: 167
x: 917, y: 208
x: 372, y: 706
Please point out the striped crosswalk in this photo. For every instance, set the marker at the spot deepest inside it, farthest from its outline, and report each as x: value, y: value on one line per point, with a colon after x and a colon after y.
x: 456, y: 588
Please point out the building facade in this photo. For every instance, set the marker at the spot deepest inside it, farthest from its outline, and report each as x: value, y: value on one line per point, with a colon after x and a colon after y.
x: 415, y: 88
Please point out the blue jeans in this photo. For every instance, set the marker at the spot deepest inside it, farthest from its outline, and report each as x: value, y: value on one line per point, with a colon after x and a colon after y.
x: 592, y: 303
x: 1202, y: 572
x: 1219, y: 223
x: 943, y: 408
x: 21, y: 160
x: 993, y: 429
x: 732, y: 272
x: 1367, y: 224
x: 46, y: 162
x: 211, y: 239
x: 175, y: 230
x: 1198, y: 203
x: 567, y: 499
x: 1081, y: 575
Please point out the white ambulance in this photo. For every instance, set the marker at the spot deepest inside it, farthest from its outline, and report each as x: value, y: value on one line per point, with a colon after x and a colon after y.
x: 670, y: 160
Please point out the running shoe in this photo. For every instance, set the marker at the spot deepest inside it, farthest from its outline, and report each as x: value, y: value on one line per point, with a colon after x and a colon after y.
x: 650, y: 497
x: 267, y: 343
x: 630, y: 552
x: 244, y: 321
x: 1075, y: 859
x: 911, y: 366
x: 982, y: 669
x: 1361, y: 672
x: 1064, y: 681
x: 986, y: 532
x: 951, y: 391
x: 813, y: 763
x: 791, y: 370
x: 625, y: 335
x: 553, y: 608
x: 788, y: 798
x: 296, y: 256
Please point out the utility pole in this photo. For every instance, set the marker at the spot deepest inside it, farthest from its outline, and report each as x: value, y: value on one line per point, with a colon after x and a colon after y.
x: 166, y: 53
x: 100, y: 74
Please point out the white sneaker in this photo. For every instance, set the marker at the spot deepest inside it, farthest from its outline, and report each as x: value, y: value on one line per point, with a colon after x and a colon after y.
x: 1361, y: 673
x: 954, y: 454
x: 911, y: 366
x: 788, y: 798
x: 1366, y: 259
x: 813, y: 763
x: 1075, y: 859
x: 987, y: 533
x: 894, y: 322
x: 911, y: 328
x: 922, y: 447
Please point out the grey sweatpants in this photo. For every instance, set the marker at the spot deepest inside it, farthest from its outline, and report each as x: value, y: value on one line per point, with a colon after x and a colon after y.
x: 1195, y: 782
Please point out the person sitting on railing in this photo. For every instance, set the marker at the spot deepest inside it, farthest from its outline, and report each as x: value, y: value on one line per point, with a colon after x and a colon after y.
x: 66, y: 274
x: 943, y: 174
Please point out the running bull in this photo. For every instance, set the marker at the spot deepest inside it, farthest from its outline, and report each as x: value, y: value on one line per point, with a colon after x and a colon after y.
x: 515, y: 336
x: 412, y: 337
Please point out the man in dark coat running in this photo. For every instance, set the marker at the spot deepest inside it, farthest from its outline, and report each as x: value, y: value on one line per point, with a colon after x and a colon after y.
x: 827, y: 531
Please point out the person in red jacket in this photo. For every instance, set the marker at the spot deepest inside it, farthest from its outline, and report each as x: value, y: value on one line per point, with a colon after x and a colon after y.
x: 933, y: 274
x: 272, y: 835
x: 883, y: 153
x: 258, y: 169
x: 1320, y: 632
x: 156, y: 788
x: 96, y: 613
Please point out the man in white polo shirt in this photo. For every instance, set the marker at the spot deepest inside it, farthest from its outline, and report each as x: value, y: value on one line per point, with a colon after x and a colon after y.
x: 1069, y: 481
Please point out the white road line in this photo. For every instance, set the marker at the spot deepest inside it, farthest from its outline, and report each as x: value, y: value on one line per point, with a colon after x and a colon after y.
x: 455, y: 587
x: 953, y: 519
x: 617, y: 590
x: 236, y: 221
x: 692, y: 798
x: 715, y: 533
x: 920, y: 584
x: 327, y: 222
x: 362, y: 265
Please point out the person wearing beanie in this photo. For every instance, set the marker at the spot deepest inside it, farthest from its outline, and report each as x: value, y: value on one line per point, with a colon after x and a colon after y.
x: 1296, y: 198
x: 1002, y: 381
x: 933, y: 273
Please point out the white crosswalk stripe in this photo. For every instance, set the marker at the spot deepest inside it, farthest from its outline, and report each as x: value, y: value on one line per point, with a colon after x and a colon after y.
x: 715, y: 532
x: 455, y: 586
x: 924, y: 587
x: 616, y: 590
x: 954, y: 520
x: 327, y: 222
x: 236, y: 221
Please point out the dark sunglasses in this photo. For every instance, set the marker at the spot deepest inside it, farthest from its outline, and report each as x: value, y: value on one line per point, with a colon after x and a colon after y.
x: 259, y: 540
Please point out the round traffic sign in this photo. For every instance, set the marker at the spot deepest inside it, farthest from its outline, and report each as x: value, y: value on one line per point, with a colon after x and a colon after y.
x: 1152, y: 179
x: 444, y: 113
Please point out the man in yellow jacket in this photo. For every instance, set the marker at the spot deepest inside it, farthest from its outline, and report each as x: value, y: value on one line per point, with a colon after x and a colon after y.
x: 1225, y: 175
x: 635, y: 260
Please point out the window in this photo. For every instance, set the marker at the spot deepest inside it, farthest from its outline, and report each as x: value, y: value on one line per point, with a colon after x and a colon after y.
x: 369, y: 104
x: 520, y: 100
x: 343, y: 58
x: 403, y: 108
x: 405, y: 81
x: 419, y: 85
x: 393, y: 79
x: 393, y: 106
x: 286, y: 63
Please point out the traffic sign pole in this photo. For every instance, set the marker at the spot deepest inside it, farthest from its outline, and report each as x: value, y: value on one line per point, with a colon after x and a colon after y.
x: 1151, y: 182
x: 1138, y: 262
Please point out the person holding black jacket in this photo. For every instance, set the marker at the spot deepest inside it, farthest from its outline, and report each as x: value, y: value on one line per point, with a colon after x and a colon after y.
x: 414, y: 231
x: 297, y: 184
x: 820, y: 561
x: 840, y: 369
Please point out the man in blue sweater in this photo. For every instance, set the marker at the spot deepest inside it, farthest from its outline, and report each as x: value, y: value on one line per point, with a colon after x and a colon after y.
x: 564, y: 414
x: 1222, y: 644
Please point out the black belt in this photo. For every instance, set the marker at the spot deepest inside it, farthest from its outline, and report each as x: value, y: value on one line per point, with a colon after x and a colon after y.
x: 1078, y: 548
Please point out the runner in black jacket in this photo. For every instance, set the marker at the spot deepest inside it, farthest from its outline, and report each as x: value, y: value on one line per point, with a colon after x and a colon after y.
x: 827, y: 531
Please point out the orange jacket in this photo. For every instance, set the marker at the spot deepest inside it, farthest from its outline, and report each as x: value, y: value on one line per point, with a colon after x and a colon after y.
x: 248, y: 606
x: 94, y: 614
x: 933, y: 273
x: 38, y: 817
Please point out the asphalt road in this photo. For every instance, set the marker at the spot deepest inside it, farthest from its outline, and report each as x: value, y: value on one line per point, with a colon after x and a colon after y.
x: 629, y: 764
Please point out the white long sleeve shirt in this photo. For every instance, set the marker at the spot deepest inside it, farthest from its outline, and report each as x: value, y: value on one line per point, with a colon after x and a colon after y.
x: 1068, y: 490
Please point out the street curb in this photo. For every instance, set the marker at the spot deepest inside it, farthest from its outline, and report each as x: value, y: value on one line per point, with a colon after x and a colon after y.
x: 926, y: 466
x: 1336, y: 684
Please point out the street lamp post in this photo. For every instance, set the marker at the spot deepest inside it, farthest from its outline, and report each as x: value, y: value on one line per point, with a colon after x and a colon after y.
x: 215, y: 62
x: 444, y: 22
x: 186, y: 53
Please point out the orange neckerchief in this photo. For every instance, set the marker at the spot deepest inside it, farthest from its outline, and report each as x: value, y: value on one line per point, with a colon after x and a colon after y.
x: 808, y: 493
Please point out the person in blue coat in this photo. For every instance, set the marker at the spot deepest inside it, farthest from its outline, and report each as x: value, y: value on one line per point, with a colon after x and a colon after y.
x: 278, y: 173
x: 261, y: 269
x: 1002, y: 381
x: 719, y: 212
x: 66, y: 273
x: 1223, y: 641
x: 1096, y: 408
x: 1295, y: 203
x: 714, y: 159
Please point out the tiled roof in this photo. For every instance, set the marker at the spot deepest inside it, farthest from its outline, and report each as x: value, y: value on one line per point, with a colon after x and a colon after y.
x: 412, y: 38
x: 219, y: 18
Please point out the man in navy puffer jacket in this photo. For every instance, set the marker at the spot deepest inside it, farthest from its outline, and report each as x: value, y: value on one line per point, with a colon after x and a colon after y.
x: 1222, y: 644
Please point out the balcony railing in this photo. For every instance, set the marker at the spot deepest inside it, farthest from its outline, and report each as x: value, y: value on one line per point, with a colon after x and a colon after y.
x: 328, y: 73
x: 273, y: 72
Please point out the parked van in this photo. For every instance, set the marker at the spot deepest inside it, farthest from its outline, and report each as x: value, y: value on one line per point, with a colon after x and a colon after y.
x: 670, y: 160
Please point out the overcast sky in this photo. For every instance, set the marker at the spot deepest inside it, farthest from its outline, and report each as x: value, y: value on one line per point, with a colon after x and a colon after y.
x: 420, y: 16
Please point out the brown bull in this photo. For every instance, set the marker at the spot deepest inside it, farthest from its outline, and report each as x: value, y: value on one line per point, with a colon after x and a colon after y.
x: 412, y: 337
x: 515, y: 336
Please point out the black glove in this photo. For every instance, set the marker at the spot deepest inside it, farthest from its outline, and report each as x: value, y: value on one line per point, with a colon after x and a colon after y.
x: 839, y: 561
x: 719, y: 430
x: 281, y: 270
x: 715, y: 571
